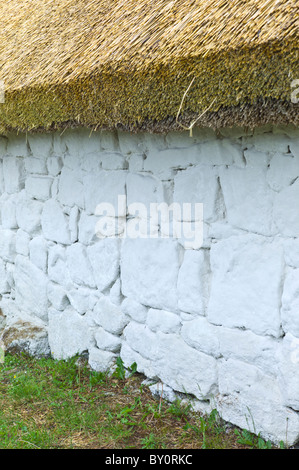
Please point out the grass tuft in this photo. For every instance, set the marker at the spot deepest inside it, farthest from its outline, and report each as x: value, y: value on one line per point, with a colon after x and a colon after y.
x: 59, y: 404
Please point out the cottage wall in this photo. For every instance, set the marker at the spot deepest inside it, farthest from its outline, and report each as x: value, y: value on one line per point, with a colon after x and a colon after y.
x: 215, y: 316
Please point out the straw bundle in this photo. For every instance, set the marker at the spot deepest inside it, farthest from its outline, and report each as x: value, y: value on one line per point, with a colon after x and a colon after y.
x: 111, y: 63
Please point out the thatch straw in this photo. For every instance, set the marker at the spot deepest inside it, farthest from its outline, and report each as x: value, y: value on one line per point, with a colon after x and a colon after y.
x: 128, y: 62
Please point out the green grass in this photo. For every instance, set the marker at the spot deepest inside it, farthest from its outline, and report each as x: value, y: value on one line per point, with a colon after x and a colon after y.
x: 50, y: 404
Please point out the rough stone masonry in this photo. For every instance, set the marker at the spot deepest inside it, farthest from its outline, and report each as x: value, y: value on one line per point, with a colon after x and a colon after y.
x: 219, y: 322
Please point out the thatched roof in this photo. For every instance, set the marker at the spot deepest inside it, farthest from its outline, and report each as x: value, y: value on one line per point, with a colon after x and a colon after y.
x: 115, y: 63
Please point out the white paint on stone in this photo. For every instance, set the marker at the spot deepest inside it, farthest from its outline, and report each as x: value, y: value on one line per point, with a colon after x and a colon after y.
x: 31, y: 293
x: 149, y: 271
x: 54, y: 223
x: 219, y: 320
x: 247, y: 273
x: 290, y: 303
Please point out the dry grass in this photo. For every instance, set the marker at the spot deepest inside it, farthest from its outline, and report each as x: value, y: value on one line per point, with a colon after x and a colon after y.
x: 110, y: 63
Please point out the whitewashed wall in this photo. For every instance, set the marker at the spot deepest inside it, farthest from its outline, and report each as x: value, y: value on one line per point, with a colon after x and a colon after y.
x: 219, y: 322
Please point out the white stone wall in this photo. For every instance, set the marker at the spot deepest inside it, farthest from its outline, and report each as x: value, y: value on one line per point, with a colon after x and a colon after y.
x: 219, y: 322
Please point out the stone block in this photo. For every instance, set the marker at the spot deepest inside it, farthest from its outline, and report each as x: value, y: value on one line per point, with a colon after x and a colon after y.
x: 57, y: 296
x: 104, y: 258
x: 55, y: 224
x: 107, y: 341
x: 69, y: 333
x: 22, y: 242
x: 195, y: 185
x: 149, y: 272
x: 70, y: 188
x: 285, y: 211
x: 246, y: 284
x: 134, y: 310
x: 79, y: 265
x: 109, y: 316
x: 248, y: 199
x: 288, y: 367
x: 283, y: 171
x: 13, y: 174
x: 8, y: 245
x: 54, y: 165
x: 101, y: 360
x: 104, y: 187
x: 38, y: 253
x: 162, y: 320
x: 41, y: 145
x: 38, y: 187
x: 30, y: 288
x: 193, y: 282
x: 28, y: 214
x: 247, y: 397
x: 290, y: 303
x: 35, y: 165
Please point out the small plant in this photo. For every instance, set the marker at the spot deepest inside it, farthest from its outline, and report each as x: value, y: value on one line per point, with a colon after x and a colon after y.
x: 120, y: 371
x: 150, y: 442
x: 246, y: 438
x: 178, y: 409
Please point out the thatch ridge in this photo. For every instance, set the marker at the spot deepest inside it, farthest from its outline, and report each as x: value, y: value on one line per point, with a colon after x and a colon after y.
x: 113, y: 63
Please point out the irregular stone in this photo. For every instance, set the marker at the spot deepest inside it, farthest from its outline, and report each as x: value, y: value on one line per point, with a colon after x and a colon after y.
x: 38, y: 187
x: 13, y: 174
x: 57, y: 296
x: 73, y: 223
x: 197, y: 185
x: 288, y: 376
x: 54, y: 223
x: 22, y: 242
x: 107, y: 341
x: 87, y: 228
x: 104, y: 187
x: 79, y: 265
x: 35, y: 165
x: 285, y: 211
x: 38, y: 252
x: 283, y: 171
x: 30, y: 288
x: 291, y: 252
x: 69, y: 333
x: 8, y: 212
x: 4, y: 285
x: 100, y: 360
x: 143, y: 189
x: 193, y: 282
x: 17, y: 145
x: 82, y: 299
x: 248, y: 199
x: 28, y: 214
x: 201, y: 335
x: 246, y: 284
x: 57, y: 266
x: 247, y: 397
x: 54, y: 165
x: 129, y: 357
x: 104, y: 258
x: 162, y: 320
x: 70, y: 188
x: 149, y: 271
x: 25, y: 334
x: 290, y: 303
x: 8, y: 245
x: 109, y: 316
x: 134, y: 310
x: 41, y: 145
x: 115, y: 294
x: 170, y: 367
